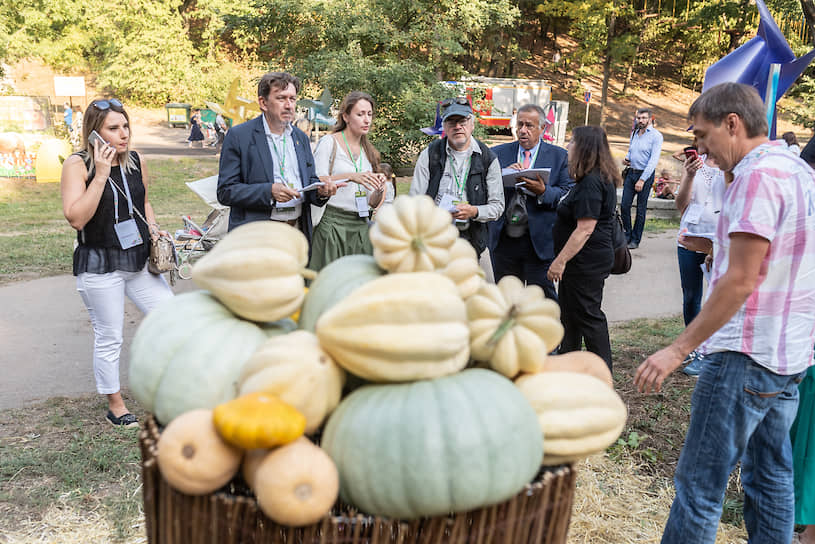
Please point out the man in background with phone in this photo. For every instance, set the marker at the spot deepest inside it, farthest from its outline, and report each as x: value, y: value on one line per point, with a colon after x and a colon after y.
x: 642, y: 159
x: 521, y: 239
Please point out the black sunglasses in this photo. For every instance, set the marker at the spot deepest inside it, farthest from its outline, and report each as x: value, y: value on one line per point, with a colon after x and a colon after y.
x: 106, y: 104
x: 461, y: 100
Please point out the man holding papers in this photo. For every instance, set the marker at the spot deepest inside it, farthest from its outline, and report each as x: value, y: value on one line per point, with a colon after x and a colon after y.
x: 266, y: 163
x: 461, y: 174
x: 521, y: 239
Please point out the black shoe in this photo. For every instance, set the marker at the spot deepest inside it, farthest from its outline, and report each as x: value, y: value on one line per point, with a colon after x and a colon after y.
x: 633, y: 245
x: 126, y: 420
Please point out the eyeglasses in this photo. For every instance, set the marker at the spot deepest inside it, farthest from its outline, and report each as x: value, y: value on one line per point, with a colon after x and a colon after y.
x: 106, y: 104
x: 461, y: 100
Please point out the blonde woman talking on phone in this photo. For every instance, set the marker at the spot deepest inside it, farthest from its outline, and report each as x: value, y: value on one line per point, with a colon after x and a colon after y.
x: 104, y: 197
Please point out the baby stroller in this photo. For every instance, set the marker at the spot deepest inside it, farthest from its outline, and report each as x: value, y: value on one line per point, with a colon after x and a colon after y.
x: 193, y: 241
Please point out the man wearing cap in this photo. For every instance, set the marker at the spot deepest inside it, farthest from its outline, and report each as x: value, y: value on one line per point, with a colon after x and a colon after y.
x: 521, y: 239
x: 461, y: 174
x: 265, y: 162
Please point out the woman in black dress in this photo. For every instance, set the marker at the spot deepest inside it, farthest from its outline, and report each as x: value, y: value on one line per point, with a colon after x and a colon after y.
x: 583, y: 242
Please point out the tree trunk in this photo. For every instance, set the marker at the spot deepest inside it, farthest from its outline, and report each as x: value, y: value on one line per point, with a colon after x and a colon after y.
x: 633, y: 62
x: 808, y: 7
x: 612, y: 21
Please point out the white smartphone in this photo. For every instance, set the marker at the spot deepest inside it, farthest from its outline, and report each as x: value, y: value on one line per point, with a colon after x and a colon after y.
x: 93, y: 137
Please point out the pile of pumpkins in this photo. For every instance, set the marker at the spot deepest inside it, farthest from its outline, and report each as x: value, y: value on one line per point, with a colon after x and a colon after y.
x: 404, y: 361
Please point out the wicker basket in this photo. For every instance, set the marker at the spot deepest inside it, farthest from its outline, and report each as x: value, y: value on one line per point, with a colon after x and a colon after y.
x: 540, y: 513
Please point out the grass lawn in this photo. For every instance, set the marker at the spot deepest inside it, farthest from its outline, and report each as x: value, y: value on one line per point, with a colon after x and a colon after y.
x: 67, y: 475
x: 36, y: 240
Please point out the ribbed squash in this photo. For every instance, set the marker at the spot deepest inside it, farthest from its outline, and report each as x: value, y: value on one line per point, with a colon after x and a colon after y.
x: 192, y: 457
x: 399, y: 327
x: 188, y: 352
x: 579, y: 414
x: 585, y: 362
x: 296, y: 484
x: 294, y: 368
x: 513, y: 327
x: 464, y: 269
x: 413, y: 235
x: 335, y: 282
x: 258, y: 420
x: 257, y: 270
x: 435, y: 446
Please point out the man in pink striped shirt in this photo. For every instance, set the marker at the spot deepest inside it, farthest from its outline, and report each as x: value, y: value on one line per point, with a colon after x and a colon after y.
x: 757, y: 327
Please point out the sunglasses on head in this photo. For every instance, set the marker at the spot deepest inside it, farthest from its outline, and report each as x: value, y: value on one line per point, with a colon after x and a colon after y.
x: 447, y: 102
x: 106, y: 104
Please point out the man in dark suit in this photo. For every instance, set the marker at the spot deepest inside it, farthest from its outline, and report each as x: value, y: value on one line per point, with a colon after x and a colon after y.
x: 266, y: 161
x: 521, y: 239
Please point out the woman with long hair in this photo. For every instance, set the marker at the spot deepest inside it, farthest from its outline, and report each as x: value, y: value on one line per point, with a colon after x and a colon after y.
x: 104, y: 197
x: 583, y: 242
x: 346, y: 155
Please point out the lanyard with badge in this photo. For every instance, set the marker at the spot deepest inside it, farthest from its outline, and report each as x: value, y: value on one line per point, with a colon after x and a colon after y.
x: 460, y: 179
x: 281, y: 160
x: 126, y: 231
x: 360, y: 196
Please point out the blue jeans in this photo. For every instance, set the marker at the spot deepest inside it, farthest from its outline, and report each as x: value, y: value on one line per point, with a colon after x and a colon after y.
x: 739, y: 411
x: 631, y: 179
x: 690, y: 274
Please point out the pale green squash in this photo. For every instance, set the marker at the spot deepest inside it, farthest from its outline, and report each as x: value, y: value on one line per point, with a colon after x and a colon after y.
x: 436, y: 446
x: 188, y: 353
x: 335, y: 282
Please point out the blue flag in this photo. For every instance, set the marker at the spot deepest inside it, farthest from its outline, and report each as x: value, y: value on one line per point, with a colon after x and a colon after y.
x: 750, y: 63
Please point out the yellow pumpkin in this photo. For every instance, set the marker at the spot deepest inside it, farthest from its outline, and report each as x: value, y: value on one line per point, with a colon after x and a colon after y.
x: 257, y: 270
x: 513, y: 327
x: 296, y: 484
x: 464, y: 269
x: 580, y: 361
x: 399, y: 327
x: 258, y: 420
x: 413, y: 235
x: 578, y: 414
x: 193, y: 457
x: 296, y: 369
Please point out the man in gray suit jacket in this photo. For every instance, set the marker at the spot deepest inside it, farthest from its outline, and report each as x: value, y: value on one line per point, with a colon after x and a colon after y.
x: 265, y: 162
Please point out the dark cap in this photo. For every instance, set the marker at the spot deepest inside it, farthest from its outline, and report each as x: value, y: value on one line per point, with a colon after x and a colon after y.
x: 456, y: 107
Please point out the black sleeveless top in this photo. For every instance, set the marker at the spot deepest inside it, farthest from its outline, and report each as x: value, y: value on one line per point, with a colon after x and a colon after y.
x: 99, y: 251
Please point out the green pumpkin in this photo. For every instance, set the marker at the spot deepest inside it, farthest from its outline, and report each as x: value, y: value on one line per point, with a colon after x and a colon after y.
x: 334, y: 283
x: 188, y: 353
x: 432, y: 447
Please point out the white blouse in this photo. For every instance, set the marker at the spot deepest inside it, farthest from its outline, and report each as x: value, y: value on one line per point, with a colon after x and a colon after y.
x: 343, y: 164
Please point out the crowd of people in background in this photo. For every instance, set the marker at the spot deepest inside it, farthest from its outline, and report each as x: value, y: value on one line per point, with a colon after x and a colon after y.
x: 747, y: 229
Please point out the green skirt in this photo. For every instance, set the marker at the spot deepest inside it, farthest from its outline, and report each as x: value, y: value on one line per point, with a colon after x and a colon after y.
x: 803, y: 451
x: 339, y: 233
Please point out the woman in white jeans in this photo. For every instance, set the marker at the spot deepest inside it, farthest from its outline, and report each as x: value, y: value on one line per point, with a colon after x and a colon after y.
x: 104, y: 197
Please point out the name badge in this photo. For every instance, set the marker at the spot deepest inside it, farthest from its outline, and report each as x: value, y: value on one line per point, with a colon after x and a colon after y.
x: 694, y: 213
x: 128, y: 233
x: 362, y: 203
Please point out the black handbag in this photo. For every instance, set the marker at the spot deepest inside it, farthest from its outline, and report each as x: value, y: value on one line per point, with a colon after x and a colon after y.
x: 622, y: 255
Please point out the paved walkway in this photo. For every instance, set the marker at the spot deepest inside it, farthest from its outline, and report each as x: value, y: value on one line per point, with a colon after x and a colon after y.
x: 46, y: 335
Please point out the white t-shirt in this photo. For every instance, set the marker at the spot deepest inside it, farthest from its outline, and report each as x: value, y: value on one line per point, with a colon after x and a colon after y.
x: 343, y: 164
x: 702, y: 213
